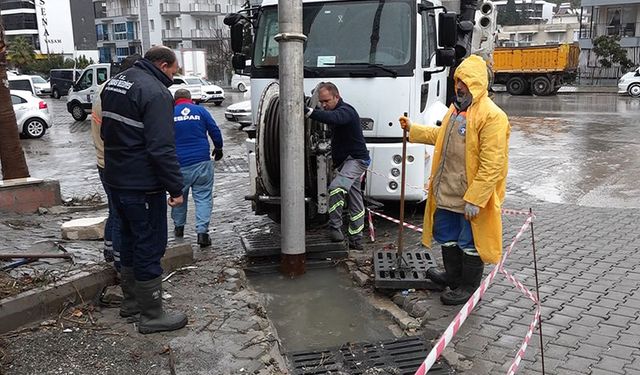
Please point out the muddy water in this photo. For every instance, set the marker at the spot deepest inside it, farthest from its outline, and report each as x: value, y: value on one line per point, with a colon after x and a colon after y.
x: 320, y: 309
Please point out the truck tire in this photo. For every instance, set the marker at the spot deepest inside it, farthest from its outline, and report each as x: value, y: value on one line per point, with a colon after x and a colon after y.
x: 516, y: 86
x: 541, y: 86
x: 634, y: 90
x: 55, y: 93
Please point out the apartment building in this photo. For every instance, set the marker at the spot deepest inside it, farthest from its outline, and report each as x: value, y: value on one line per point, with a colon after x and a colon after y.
x: 52, y: 26
x: 129, y: 26
x: 610, y: 17
x: 534, y: 11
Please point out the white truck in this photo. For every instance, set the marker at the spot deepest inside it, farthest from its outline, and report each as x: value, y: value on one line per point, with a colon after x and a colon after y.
x: 386, y: 58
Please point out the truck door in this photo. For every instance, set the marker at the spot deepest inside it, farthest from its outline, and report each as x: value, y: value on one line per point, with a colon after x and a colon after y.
x: 87, y: 87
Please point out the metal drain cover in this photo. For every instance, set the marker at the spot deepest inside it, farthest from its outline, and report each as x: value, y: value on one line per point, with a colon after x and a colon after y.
x: 411, y: 274
x: 402, y: 357
x: 317, y: 244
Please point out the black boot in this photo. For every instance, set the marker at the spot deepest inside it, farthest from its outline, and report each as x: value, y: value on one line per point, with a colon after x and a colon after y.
x: 129, y: 306
x: 204, y: 240
x: 472, y: 268
x: 153, y: 318
x: 452, y: 260
x: 178, y: 232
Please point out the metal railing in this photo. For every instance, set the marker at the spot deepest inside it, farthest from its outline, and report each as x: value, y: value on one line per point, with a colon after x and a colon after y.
x: 209, y: 33
x: 625, y: 30
x: 169, y: 8
x: 171, y: 34
x: 204, y: 8
x: 123, y: 12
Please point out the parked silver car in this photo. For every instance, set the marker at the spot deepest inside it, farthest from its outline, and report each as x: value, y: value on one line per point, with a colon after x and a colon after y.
x: 239, y: 112
x: 32, y: 113
x: 630, y: 83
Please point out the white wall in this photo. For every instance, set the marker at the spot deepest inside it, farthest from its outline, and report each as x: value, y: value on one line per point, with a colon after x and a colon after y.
x: 54, y: 19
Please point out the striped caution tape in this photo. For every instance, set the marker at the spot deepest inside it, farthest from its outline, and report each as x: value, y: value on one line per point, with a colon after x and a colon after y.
x: 466, y: 310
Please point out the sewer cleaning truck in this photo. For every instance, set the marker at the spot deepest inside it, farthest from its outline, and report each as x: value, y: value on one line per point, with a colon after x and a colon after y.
x: 386, y: 58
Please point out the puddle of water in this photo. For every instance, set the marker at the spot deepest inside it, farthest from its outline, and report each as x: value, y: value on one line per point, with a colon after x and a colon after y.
x: 320, y: 309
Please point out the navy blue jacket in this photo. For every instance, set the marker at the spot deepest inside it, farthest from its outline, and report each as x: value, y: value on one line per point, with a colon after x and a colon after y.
x: 137, y: 129
x: 193, y: 122
x: 346, y: 132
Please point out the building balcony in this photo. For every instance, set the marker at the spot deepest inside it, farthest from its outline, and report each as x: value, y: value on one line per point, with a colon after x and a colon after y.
x: 172, y: 34
x: 625, y: 30
x: 204, y: 9
x: 209, y: 34
x: 129, y: 12
x: 170, y: 9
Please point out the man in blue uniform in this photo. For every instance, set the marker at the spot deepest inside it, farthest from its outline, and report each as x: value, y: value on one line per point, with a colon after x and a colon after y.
x: 192, y: 124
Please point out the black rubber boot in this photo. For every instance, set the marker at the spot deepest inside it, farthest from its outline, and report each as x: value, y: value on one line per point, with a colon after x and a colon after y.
x: 355, y: 243
x: 452, y: 260
x: 129, y: 306
x: 472, y: 268
x: 336, y: 235
x: 152, y: 316
x: 178, y: 232
x: 204, y: 240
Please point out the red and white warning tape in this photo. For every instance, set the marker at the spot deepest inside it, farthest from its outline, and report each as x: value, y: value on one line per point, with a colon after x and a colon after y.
x: 466, y: 310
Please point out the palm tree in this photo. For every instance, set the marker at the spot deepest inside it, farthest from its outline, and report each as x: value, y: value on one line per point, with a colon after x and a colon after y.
x: 12, y: 158
x: 21, y: 53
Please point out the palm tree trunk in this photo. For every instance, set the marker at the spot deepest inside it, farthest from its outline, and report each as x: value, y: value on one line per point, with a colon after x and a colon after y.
x: 12, y: 158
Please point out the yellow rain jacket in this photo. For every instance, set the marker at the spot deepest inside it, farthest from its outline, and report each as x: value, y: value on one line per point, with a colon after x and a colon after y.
x: 486, y: 158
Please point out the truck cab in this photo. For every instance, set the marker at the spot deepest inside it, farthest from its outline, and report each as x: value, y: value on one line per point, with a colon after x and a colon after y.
x: 82, y: 91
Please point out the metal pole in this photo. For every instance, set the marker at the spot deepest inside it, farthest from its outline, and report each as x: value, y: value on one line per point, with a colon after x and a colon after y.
x: 291, y: 41
x: 535, y: 270
x: 402, y: 185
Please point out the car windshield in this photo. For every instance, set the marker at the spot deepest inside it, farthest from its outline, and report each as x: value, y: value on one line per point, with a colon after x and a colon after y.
x: 38, y: 79
x: 193, y: 81
x: 351, y: 32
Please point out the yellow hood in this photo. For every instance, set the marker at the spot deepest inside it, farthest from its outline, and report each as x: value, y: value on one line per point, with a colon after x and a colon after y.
x: 473, y: 73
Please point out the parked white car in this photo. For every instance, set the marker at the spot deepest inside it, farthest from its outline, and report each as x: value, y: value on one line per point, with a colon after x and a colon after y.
x: 629, y: 83
x: 240, y: 82
x: 211, y: 93
x: 32, y: 113
x: 239, y: 112
x: 41, y: 85
x: 193, y: 84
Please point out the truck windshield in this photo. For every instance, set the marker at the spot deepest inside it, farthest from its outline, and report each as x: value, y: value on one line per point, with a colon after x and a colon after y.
x: 342, y: 34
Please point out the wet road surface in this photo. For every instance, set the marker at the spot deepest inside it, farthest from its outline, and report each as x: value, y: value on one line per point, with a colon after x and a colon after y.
x: 580, y: 149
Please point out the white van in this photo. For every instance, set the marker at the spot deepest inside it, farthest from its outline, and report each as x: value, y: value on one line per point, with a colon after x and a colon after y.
x: 630, y: 83
x: 82, y: 92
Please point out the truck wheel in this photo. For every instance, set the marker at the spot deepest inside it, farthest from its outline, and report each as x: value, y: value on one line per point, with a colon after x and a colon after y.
x: 242, y: 87
x: 541, y: 86
x: 78, y: 113
x: 634, y: 90
x: 55, y: 93
x: 516, y: 86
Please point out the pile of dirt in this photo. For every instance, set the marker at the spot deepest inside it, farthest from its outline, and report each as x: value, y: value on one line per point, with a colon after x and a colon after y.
x: 11, y: 286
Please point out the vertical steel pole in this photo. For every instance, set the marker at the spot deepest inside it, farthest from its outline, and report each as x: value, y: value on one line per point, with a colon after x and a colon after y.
x: 291, y: 41
x: 402, y: 185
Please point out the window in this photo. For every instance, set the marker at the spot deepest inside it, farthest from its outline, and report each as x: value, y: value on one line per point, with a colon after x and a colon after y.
x: 167, y: 24
x: 15, y: 99
x: 152, y: 25
x: 86, y: 80
x: 351, y: 32
x: 102, y: 32
x: 99, y: 9
x: 20, y: 84
x: 122, y: 53
x: 428, y: 38
x: 102, y: 75
x: 120, y: 31
x: 20, y: 21
x: 38, y: 79
x: 17, y: 4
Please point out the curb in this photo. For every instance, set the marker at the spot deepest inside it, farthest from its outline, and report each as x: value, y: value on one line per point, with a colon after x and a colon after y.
x: 40, y: 303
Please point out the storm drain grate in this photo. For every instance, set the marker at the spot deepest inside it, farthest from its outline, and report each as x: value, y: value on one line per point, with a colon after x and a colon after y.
x: 402, y: 356
x: 412, y: 272
x: 232, y: 165
x: 317, y: 244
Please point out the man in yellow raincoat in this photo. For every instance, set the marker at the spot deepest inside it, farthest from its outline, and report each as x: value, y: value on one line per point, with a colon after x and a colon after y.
x: 467, y: 184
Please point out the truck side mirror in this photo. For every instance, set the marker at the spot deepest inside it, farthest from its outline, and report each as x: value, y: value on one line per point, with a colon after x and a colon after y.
x: 447, y: 30
x: 239, y: 61
x: 445, y: 57
x: 237, y: 37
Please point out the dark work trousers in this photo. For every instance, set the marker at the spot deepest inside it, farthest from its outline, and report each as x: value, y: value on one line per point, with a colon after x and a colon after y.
x: 111, y: 227
x: 143, y: 231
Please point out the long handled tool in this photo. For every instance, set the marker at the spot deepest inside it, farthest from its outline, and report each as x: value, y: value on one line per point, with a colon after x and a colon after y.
x: 402, y: 186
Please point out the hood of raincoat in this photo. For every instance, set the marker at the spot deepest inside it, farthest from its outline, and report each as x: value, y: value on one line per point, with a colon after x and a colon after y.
x: 473, y: 73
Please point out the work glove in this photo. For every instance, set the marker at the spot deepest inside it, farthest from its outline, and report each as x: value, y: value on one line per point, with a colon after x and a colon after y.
x: 307, y: 112
x: 217, y: 154
x: 405, y: 123
x: 471, y: 211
